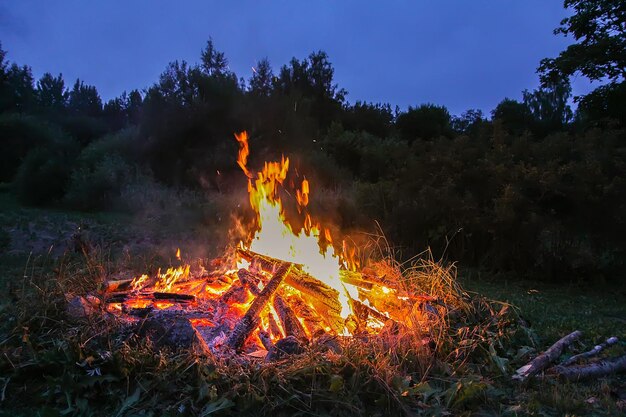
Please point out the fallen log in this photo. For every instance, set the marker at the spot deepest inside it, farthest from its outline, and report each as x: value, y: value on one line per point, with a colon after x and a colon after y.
x: 542, y: 361
x: 288, y: 319
x: 250, y: 320
x: 593, y: 352
x: 593, y: 370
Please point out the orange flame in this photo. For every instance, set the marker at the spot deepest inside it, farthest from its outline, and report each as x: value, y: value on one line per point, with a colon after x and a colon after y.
x: 311, y: 246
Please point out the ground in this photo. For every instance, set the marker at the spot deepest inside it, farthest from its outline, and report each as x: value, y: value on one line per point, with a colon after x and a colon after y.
x: 33, y: 238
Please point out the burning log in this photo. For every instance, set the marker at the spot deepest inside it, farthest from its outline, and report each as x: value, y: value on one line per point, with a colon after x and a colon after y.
x: 236, y: 293
x: 288, y: 319
x: 364, y: 309
x: 544, y: 360
x: 266, y: 340
x: 122, y: 297
x: 117, y: 285
x: 169, y: 296
x: 249, y: 280
x: 274, y: 328
x: 250, y: 320
x: 323, y: 297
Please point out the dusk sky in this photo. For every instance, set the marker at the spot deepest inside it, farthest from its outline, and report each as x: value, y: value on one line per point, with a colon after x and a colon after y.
x: 455, y: 53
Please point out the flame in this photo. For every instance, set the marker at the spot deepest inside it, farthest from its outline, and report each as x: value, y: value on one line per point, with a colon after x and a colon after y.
x: 311, y: 246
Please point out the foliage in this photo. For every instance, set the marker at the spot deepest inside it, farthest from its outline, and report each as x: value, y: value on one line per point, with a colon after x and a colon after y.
x: 599, y: 27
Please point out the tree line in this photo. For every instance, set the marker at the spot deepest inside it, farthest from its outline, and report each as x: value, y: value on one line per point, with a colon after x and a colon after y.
x: 534, y: 187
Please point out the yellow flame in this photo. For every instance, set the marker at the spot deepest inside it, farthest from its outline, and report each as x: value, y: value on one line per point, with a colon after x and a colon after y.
x: 274, y: 237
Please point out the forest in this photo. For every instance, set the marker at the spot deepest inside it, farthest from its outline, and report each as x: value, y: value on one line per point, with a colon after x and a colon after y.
x: 533, y: 192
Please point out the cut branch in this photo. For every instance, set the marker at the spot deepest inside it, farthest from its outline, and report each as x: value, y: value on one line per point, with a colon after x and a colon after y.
x: 250, y: 320
x: 542, y: 361
x: 593, y: 370
x: 593, y: 352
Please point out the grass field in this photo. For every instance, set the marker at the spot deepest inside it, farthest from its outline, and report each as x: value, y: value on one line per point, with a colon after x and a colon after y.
x: 42, y: 242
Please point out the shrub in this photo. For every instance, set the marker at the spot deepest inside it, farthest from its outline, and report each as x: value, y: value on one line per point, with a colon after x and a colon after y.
x: 103, y: 168
x: 43, y: 175
x: 18, y: 135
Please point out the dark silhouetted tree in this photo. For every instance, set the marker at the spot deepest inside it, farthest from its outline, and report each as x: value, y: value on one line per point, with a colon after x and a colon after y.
x: 548, y: 106
x: 515, y: 117
x: 426, y: 121
x: 213, y: 62
x: 376, y: 119
x: 469, y: 121
x: 599, y: 28
x: 262, y: 78
x: 85, y: 100
x: 51, y: 92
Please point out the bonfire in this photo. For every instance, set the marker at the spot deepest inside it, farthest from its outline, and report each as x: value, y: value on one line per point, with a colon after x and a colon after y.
x: 281, y: 288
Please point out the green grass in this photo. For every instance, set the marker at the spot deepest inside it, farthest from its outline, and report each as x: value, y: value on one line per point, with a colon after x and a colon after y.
x: 40, y: 348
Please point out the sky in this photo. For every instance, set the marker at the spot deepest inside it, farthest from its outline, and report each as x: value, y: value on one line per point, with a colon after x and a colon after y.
x: 457, y: 53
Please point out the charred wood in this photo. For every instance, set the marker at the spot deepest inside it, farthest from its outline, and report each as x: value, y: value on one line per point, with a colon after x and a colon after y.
x: 235, y: 294
x: 250, y: 280
x: 288, y: 319
x: 250, y: 320
x: 170, y: 296
x: 266, y: 340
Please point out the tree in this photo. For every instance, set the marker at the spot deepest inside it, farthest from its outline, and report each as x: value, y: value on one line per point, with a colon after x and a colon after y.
x: 599, y: 28
x: 468, y: 122
x: 261, y: 80
x: 51, y: 92
x: 213, y: 62
x: 514, y: 116
x: 16, y: 88
x: 426, y: 121
x: 549, y: 107
x: 373, y: 118
x: 84, y: 99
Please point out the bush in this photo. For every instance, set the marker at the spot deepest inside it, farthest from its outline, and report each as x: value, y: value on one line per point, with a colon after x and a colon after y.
x: 18, y: 135
x: 103, y: 168
x: 43, y: 175
x: 97, y: 186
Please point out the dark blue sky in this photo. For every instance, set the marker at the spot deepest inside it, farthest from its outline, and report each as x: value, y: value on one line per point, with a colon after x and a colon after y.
x: 462, y: 54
